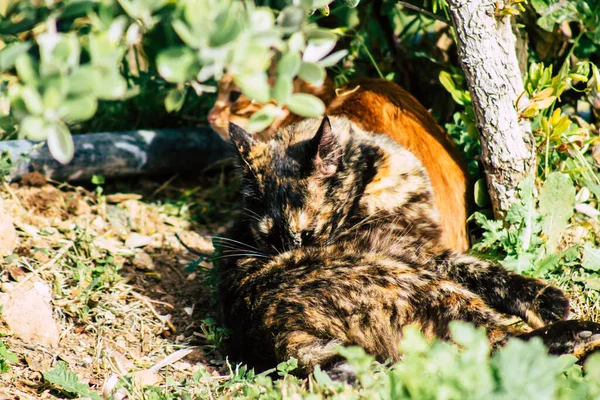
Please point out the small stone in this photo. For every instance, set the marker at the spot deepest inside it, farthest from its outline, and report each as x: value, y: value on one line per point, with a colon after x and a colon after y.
x: 39, y: 361
x: 142, y: 260
x: 121, y: 197
x: 146, y: 377
x: 8, y: 234
x: 79, y: 207
x: 28, y: 314
x: 136, y: 240
x: 192, y: 276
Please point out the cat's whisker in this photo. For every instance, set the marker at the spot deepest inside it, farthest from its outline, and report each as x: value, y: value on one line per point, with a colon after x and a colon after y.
x: 234, y: 241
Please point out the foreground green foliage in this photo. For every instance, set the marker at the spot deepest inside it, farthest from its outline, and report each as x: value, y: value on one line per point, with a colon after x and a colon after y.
x: 64, y: 62
x: 429, y: 370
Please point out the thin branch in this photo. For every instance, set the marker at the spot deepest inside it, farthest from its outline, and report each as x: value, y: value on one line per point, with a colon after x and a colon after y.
x: 424, y: 12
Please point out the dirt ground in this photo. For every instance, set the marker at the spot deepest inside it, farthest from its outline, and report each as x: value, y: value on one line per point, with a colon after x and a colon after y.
x: 101, y: 282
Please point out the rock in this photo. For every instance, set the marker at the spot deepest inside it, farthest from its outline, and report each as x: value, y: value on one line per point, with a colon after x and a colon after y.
x: 146, y: 377
x: 136, y: 240
x: 39, y: 361
x: 142, y: 260
x: 28, y: 314
x: 8, y: 234
x: 121, y: 197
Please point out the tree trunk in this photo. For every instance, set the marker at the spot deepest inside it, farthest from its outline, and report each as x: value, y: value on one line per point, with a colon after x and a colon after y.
x: 487, y: 50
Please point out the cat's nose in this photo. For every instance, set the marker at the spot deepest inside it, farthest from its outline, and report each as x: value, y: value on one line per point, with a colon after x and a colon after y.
x: 211, y: 118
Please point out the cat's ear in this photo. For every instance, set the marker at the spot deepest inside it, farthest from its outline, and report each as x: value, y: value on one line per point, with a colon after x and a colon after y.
x: 241, y: 139
x: 328, y: 149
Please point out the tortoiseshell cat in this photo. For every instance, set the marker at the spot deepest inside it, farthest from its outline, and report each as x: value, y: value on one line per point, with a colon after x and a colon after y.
x: 348, y: 252
x: 375, y: 105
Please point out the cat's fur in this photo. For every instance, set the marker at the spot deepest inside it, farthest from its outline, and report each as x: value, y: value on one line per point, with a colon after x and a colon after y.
x: 375, y: 105
x: 349, y: 252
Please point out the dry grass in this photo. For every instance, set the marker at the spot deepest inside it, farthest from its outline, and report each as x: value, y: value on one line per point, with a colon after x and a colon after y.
x: 120, y: 308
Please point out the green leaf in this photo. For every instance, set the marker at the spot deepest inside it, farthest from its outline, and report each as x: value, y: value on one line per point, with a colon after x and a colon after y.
x: 7, y: 355
x: 69, y: 382
x: 112, y: 87
x: 175, y: 99
x: 33, y: 100
x: 262, y: 19
x: 282, y: 90
x: 9, y: 54
x: 33, y: 128
x: 228, y: 27
x: 26, y: 69
x: 317, y: 49
x: 78, y: 109
x: 60, y: 143
x: 312, y: 73
x: 83, y: 80
x: 177, y: 64
x: 482, y: 198
x: 306, y: 105
x: 291, y: 18
x: 591, y: 258
x: 254, y: 86
x: 98, y: 180
x: 557, y: 199
x: 333, y: 59
x: 262, y: 119
x: 289, y: 65
x: 351, y: 3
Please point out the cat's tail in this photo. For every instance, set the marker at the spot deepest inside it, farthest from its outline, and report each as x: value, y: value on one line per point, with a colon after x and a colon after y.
x: 577, y: 337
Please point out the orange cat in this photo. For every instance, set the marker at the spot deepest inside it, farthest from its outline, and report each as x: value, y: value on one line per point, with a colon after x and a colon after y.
x: 375, y: 105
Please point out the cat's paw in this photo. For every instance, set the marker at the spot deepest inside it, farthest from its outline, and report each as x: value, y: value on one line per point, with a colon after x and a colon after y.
x: 549, y: 304
x: 576, y: 337
x: 342, y: 372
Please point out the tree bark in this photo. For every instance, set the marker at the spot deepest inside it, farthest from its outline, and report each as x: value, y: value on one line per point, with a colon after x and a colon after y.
x: 487, y: 50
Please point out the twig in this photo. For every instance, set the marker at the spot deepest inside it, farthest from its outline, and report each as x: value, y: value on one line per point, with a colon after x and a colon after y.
x: 188, y: 248
x: 164, y: 185
x: 424, y: 12
x: 13, y: 195
x: 161, y: 318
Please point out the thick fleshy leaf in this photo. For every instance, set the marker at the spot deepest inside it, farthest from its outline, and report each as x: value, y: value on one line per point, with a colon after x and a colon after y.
x: 78, y: 109
x: 351, y: 3
x: 228, y: 26
x: 33, y: 128
x: 333, y: 58
x: 306, y: 105
x: 177, y: 64
x: 262, y: 119
x: 262, y: 19
x: 282, y: 90
x: 291, y: 18
x: 254, y: 86
x: 26, y: 69
x: 82, y: 80
x: 60, y: 142
x: 317, y: 49
x: 33, y: 100
x: 113, y: 86
x: 312, y: 73
x: 175, y: 99
x: 9, y: 54
x: 289, y: 64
